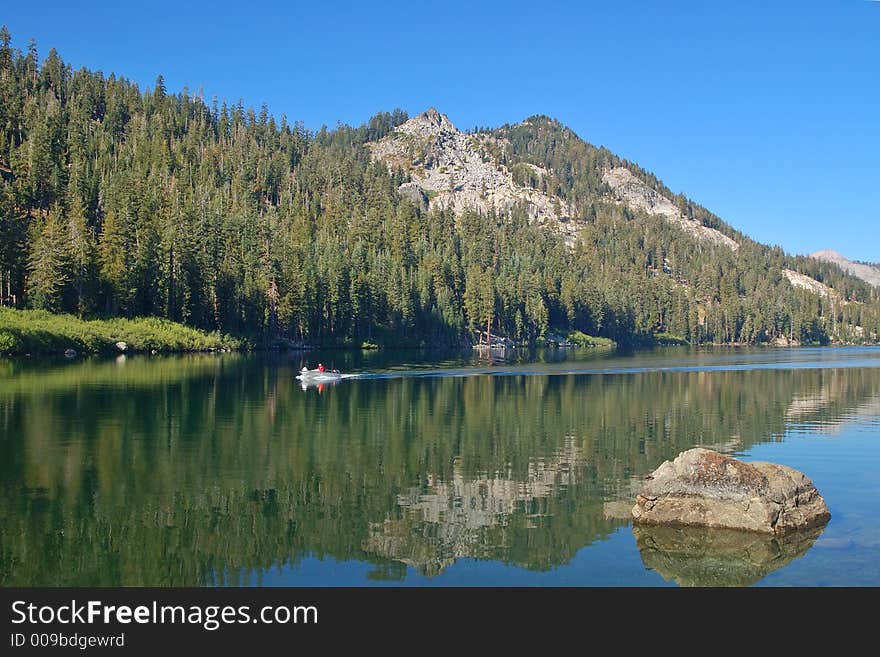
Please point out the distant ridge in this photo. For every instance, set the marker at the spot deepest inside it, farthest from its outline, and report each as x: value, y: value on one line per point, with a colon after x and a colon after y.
x: 868, y: 273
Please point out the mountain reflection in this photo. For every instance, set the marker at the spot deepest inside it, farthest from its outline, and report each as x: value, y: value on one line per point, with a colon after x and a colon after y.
x: 480, y: 517
x: 214, y: 469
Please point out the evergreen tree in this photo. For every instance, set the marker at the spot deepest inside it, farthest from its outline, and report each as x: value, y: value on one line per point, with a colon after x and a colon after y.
x: 49, y: 262
x: 81, y: 256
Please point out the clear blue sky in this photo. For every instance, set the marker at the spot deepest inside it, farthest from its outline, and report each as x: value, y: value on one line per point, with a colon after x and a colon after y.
x: 768, y: 113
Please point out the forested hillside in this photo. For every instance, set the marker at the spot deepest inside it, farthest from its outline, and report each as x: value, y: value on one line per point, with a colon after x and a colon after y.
x: 118, y: 201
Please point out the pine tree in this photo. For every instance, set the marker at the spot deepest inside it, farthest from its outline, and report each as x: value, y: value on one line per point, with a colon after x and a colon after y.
x: 49, y: 262
x: 81, y: 255
x: 112, y: 255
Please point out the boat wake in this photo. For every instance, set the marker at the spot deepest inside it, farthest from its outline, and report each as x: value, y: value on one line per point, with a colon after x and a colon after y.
x: 573, y: 369
x: 770, y: 360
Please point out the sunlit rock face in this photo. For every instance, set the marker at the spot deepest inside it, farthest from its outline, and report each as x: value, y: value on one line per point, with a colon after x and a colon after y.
x: 634, y: 193
x: 703, y: 488
x: 458, y: 171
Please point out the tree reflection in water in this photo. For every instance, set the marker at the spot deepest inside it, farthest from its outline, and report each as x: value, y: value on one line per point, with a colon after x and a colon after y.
x: 213, y: 469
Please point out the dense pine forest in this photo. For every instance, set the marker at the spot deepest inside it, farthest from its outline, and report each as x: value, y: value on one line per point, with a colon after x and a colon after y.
x: 122, y: 202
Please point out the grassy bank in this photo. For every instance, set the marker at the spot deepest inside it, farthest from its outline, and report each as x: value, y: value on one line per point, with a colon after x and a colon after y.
x: 39, y: 332
x: 584, y: 340
x: 562, y: 337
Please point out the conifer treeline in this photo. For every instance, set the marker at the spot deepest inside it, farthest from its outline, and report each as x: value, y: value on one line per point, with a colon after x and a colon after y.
x: 122, y: 202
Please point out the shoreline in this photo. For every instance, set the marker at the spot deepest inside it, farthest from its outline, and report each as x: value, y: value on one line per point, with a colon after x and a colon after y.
x: 37, y: 333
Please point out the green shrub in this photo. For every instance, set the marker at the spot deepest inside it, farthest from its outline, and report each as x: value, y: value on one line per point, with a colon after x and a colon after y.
x: 583, y: 340
x: 669, y: 339
x: 9, y: 343
x: 40, y: 332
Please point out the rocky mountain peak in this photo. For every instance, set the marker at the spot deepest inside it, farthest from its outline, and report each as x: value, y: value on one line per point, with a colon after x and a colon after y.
x: 459, y: 171
x: 440, y: 121
x: 429, y: 123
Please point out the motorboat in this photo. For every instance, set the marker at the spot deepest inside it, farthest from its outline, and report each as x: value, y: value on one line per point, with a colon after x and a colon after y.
x: 317, y: 376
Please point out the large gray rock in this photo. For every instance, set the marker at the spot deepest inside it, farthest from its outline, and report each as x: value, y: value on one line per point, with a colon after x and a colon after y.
x: 703, y: 488
x: 414, y: 193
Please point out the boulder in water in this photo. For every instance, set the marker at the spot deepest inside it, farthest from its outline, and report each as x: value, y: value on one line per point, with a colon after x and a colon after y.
x: 703, y: 488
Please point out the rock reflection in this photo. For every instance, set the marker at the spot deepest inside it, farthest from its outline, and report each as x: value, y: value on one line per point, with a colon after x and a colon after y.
x: 697, y: 556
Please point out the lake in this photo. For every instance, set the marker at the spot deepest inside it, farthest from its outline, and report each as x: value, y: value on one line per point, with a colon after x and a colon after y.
x: 220, y: 469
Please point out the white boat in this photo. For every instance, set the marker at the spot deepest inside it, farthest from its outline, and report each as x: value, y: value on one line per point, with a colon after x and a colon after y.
x: 317, y: 376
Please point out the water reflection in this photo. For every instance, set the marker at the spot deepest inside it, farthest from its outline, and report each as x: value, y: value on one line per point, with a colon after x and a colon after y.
x: 479, y: 517
x: 214, y: 469
x: 718, y: 557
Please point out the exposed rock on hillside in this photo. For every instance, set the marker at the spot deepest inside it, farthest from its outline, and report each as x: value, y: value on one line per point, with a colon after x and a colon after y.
x: 637, y: 195
x: 456, y: 170
x: 868, y: 273
x: 703, y: 488
x: 414, y: 193
x: 807, y: 283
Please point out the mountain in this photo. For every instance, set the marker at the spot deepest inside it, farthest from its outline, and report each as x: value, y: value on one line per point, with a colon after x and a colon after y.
x: 496, y: 171
x: 404, y: 231
x: 868, y: 273
x: 452, y: 169
x: 458, y: 171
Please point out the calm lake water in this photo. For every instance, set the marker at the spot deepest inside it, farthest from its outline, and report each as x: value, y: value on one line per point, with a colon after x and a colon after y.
x: 222, y: 470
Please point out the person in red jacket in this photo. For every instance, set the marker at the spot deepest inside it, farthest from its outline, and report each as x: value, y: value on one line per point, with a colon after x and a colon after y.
x: 320, y: 367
